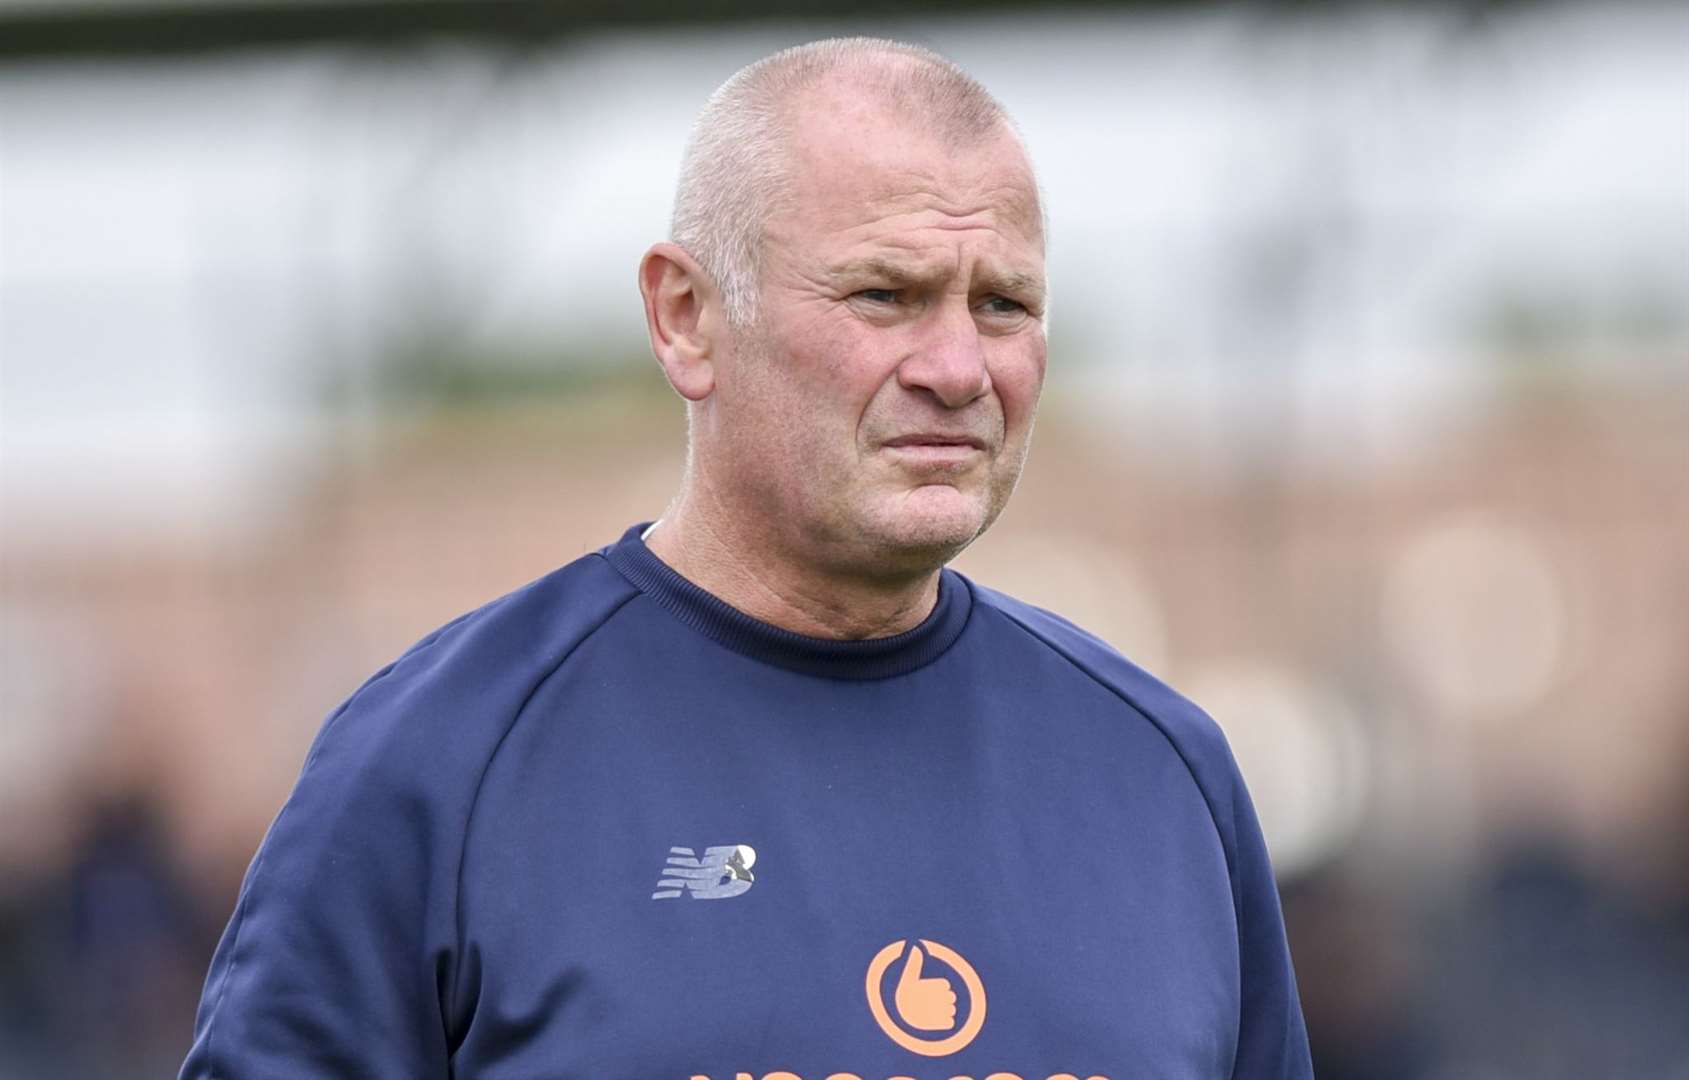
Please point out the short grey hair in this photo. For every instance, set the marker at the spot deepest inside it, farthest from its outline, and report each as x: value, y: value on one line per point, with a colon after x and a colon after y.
x: 736, y: 167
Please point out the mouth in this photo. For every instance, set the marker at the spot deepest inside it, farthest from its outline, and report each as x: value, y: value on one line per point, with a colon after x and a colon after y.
x: 924, y: 441
x: 936, y: 454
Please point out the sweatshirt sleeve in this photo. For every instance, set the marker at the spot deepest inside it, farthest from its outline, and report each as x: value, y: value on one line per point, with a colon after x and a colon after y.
x: 1272, y: 1039
x: 338, y: 957
x: 342, y: 957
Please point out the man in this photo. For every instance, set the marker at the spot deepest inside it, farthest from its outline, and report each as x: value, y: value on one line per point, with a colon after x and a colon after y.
x: 761, y: 790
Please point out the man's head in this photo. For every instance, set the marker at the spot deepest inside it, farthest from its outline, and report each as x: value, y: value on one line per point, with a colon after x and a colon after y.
x: 853, y: 307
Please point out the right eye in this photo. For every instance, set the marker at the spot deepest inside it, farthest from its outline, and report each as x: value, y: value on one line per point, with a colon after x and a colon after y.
x: 877, y: 296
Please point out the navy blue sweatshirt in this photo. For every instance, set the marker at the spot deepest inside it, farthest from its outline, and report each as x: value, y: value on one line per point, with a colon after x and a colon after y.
x: 607, y: 826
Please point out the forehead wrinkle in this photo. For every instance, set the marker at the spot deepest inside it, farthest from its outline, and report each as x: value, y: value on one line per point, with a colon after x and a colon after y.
x: 958, y: 188
x: 913, y: 231
x: 1008, y: 204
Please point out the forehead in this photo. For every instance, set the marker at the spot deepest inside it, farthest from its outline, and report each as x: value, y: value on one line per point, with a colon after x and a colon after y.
x: 855, y: 165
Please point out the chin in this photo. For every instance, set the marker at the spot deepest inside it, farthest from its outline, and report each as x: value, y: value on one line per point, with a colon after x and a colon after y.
x: 923, y: 532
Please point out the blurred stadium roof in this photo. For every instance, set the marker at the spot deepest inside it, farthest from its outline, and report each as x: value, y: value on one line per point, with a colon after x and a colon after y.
x: 67, y: 28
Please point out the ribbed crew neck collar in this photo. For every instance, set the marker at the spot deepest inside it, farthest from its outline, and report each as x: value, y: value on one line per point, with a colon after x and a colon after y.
x: 870, y: 658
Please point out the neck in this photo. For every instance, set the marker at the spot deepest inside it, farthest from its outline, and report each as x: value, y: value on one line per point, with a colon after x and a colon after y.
x: 742, y: 568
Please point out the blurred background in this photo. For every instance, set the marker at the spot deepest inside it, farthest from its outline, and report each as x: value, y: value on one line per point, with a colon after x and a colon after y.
x: 1367, y: 426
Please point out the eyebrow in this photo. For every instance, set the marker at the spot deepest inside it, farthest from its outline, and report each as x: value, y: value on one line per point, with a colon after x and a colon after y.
x: 877, y: 267
x: 896, y: 273
x: 1015, y: 281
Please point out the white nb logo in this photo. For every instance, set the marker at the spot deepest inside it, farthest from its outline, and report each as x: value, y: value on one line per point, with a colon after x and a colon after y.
x: 720, y: 873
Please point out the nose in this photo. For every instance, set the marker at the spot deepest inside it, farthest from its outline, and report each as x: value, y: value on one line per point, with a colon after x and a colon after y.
x: 949, y: 360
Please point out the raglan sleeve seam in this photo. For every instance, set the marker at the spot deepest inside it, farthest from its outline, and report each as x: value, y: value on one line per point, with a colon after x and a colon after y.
x: 1216, y: 818
x: 454, y: 1036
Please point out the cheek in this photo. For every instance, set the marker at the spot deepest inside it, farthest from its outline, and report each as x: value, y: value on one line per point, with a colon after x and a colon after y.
x: 1018, y: 376
x: 798, y: 407
x: 834, y: 371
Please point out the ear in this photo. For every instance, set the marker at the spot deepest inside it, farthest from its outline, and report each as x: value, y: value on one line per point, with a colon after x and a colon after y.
x: 681, y: 302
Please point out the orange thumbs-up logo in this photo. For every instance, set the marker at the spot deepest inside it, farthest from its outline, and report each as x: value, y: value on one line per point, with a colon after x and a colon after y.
x: 926, y: 1004
x: 924, y: 1001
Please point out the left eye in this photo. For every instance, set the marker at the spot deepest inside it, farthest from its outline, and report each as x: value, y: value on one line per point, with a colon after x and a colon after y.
x: 1002, y: 305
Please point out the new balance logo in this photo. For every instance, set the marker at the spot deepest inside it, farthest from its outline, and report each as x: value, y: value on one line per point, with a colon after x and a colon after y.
x: 720, y: 873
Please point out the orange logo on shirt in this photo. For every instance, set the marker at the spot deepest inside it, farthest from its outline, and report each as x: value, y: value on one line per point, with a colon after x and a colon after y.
x: 923, y: 1001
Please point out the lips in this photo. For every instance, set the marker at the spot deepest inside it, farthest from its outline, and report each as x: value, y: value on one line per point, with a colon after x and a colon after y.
x: 929, y: 439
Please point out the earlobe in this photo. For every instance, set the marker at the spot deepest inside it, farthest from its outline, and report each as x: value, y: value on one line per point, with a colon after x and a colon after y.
x: 677, y: 294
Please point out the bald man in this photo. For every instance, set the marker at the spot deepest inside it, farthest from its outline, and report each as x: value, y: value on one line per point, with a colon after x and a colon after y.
x: 761, y: 789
